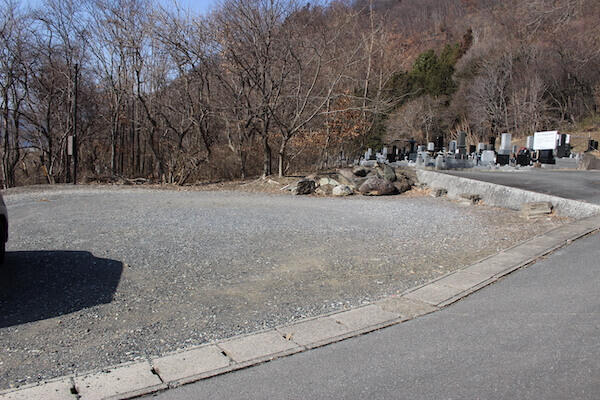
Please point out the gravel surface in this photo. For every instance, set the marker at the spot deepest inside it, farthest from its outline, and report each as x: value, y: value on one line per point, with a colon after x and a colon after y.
x: 101, y: 275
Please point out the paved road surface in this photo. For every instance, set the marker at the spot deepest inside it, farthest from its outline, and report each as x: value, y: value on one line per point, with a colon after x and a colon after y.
x: 576, y: 185
x: 533, y: 335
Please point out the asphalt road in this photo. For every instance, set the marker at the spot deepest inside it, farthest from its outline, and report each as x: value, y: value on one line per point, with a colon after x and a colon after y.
x: 576, y: 185
x: 533, y: 335
x: 99, y: 276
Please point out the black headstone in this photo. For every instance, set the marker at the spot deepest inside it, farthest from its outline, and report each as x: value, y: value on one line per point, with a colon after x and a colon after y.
x: 546, y: 157
x: 523, y: 159
x: 502, y: 159
x: 412, y: 143
x: 439, y: 143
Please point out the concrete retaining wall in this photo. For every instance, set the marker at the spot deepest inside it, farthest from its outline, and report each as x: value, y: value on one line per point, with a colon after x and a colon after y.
x: 504, y: 196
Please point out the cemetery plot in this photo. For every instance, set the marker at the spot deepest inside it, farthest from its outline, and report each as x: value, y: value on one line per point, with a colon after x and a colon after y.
x: 96, y: 276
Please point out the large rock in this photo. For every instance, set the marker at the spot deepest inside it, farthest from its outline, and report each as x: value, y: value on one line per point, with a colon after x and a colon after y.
x: 360, y: 171
x: 359, y: 181
x: 407, y: 174
x: 389, y: 174
x: 324, y: 190
x: 345, y: 181
x: 402, y: 186
x: 375, y: 186
x: 328, y: 181
x: 305, y: 186
x: 345, y: 174
x: 342, y: 190
x: 378, y: 172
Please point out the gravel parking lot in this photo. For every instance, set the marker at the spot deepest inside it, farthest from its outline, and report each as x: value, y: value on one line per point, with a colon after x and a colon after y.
x: 95, y: 276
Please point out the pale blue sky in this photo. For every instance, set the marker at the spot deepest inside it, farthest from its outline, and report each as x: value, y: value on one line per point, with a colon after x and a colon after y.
x: 201, y: 6
x: 197, y: 6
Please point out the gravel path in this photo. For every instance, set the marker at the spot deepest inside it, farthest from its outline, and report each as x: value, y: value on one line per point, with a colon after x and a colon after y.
x: 99, y: 275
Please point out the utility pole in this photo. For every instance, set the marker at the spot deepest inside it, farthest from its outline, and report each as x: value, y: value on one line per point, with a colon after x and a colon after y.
x: 75, y: 124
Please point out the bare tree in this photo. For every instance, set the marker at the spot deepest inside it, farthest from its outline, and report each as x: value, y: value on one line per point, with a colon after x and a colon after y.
x: 251, y: 50
x: 317, y: 73
x: 13, y: 86
x: 489, y: 94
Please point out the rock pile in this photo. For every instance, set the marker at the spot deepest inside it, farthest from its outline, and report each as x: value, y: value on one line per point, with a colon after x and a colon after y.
x: 377, y: 181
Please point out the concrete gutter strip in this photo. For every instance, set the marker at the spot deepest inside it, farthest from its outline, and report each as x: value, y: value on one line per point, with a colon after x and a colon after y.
x: 190, y: 365
x: 504, y: 196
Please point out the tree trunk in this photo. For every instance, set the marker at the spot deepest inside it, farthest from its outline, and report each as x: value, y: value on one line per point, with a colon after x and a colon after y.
x: 282, y: 151
x: 267, y: 156
x: 242, y: 156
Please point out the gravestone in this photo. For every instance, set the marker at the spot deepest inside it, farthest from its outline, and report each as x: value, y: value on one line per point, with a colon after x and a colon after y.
x: 529, y: 144
x: 488, y: 157
x: 452, y: 146
x: 412, y: 144
x: 505, y: 144
x: 439, y: 143
x: 502, y: 159
x: 546, y: 157
x: 564, y: 148
x: 462, y: 144
x: 524, y: 158
x: 440, y: 162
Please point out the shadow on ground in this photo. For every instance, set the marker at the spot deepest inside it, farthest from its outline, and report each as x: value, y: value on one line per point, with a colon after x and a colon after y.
x: 36, y: 285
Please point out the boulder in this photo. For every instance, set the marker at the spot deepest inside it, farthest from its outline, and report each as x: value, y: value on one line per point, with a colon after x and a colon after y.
x: 305, y: 186
x: 342, y: 190
x: 375, y: 186
x: 324, y: 190
x: 328, y: 181
x: 389, y: 174
x: 343, y: 180
x: 408, y: 174
x: 360, y: 171
x: 359, y: 181
x: 402, y: 186
x: 345, y: 174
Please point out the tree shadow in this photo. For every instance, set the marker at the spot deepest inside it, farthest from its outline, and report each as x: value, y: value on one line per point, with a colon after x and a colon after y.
x: 36, y: 285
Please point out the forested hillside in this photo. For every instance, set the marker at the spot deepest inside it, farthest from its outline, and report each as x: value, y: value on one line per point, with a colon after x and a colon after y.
x: 276, y: 86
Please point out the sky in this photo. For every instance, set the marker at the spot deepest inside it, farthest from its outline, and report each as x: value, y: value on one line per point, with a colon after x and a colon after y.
x: 197, y: 6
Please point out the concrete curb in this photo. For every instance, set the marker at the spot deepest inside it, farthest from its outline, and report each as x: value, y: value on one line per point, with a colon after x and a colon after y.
x: 504, y: 196
x: 193, y: 364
